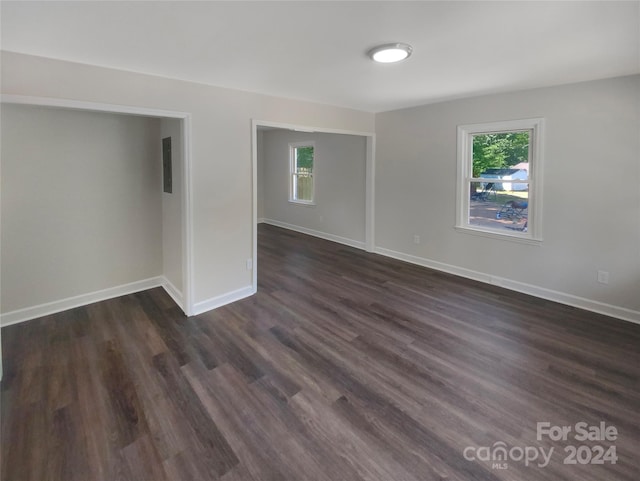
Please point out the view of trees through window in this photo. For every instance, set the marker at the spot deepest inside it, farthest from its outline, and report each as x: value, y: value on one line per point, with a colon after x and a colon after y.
x: 496, y: 151
x: 304, y: 157
x: 302, y: 175
x: 500, y: 194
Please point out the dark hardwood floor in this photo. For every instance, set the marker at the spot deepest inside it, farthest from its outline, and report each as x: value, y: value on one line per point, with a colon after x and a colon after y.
x: 345, y: 366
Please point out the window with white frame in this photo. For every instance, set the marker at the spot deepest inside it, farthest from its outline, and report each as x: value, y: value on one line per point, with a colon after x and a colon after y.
x: 301, y: 181
x: 500, y: 179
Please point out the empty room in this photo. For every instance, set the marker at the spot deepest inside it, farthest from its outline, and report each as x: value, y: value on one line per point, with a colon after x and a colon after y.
x: 320, y: 240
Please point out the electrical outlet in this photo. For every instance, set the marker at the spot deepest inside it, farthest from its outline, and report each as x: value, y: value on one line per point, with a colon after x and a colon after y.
x: 321, y: 218
x: 249, y: 264
x: 603, y: 277
x: 416, y: 239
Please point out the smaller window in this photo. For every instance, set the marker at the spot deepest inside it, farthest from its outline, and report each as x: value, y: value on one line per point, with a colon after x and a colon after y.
x: 301, y: 164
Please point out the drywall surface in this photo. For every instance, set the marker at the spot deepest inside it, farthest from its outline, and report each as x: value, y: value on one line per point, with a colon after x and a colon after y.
x: 591, y: 211
x: 172, y: 207
x: 339, y: 176
x: 220, y: 148
x: 260, y: 175
x: 81, y: 203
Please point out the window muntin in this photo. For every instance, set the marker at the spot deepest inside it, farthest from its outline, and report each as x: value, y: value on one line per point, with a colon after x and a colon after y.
x: 499, y: 177
x: 301, y: 182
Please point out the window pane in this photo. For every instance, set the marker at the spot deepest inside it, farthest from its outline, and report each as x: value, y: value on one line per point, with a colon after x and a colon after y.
x: 304, y: 159
x: 502, y: 155
x: 303, y: 187
x: 302, y: 174
x: 500, y: 202
x: 498, y: 191
x: 501, y: 210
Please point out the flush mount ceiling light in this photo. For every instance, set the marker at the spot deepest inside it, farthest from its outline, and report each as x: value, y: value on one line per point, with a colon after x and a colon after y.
x: 391, y: 52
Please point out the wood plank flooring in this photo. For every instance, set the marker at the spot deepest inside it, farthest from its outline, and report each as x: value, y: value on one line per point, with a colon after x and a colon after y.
x: 345, y: 366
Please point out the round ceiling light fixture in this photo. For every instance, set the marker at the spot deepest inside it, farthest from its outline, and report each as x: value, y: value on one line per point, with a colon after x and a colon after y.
x: 390, y: 52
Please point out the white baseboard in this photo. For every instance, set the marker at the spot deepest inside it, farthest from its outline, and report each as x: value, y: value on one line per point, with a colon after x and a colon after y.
x: 48, y: 308
x: 541, y: 292
x: 261, y: 220
x: 316, y: 233
x: 219, y: 301
x: 173, y: 292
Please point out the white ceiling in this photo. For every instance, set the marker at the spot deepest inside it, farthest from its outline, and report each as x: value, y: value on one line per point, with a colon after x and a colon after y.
x: 317, y: 50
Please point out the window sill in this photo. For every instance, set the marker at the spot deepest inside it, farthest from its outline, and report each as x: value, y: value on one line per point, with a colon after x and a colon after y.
x: 499, y: 235
x: 302, y: 202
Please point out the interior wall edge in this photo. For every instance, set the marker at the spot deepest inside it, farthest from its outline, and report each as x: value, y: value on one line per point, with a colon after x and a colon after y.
x: 173, y: 292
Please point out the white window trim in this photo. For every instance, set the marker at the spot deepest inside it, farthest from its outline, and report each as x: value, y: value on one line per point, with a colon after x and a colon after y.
x: 292, y: 164
x: 536, y: 162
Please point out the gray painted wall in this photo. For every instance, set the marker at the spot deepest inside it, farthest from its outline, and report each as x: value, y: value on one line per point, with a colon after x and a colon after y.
x: 81, y: 203
x: 260, y: 174
x: 591, y: 213
x: 172, y: 207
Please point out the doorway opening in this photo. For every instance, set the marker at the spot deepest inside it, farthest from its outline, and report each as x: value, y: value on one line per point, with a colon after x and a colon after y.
x: 341, y: 170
